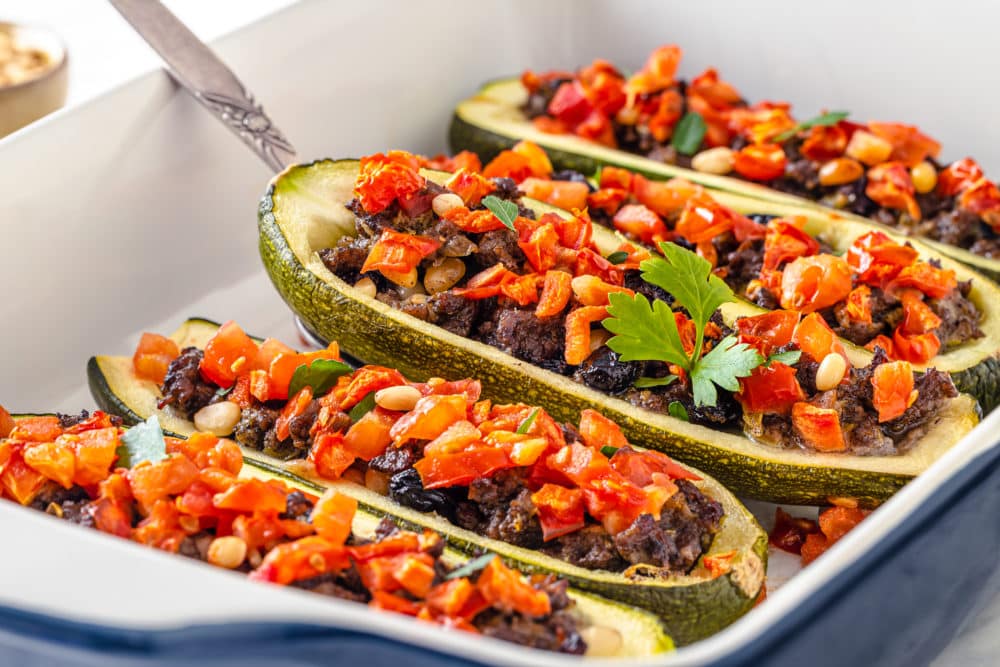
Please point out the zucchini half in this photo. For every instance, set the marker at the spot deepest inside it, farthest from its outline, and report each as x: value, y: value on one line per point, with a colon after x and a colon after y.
x: 691, y: 606
x: 642, y: 633
x: 491, y: 121
x: 303, y: 212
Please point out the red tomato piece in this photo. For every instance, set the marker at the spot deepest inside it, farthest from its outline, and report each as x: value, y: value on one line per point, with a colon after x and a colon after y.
x: 332, y: 516
x: 819, y: 427
x: 640, y: 222
x: 228, y: 354
x: 152, y: 356
x: 556, y: 292
x: 760, y: 162
x: 813, y: 283
x: 770, y: 389
x: 893, y: 389
x: 560, y: 510
x: 598, y: 431
x: 958, y: 176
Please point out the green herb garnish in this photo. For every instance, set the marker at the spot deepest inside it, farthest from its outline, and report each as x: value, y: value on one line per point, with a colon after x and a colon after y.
x: 678, y: 411
x: 321, y: 375
x: 608, y: 450
x: 828, y: 118
x: 363, y: 407
x: 142, y: 442
x: 646, y: 383
x: 789, y: 358
x: 689, y: 133
x: 617, y: 257
x: 505, y: 211
x: 647, y: 331
x: 528, y: 421
x: 470, y: 568
x: 222, y: 392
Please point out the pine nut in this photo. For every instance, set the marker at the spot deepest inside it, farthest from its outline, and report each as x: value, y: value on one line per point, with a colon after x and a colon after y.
x: 406, y: 280
x: 924, y: 177
x: 868, y: 148
x: 444, y: 275
x: 602, y: 641
x: 840, y: 170
x: 401, y: 398
x: 367, y: 287
x: 227, y: 552
x: 718, y: 160
x: 446, y: 202
x: 830, y: 372
x: 218, y: 418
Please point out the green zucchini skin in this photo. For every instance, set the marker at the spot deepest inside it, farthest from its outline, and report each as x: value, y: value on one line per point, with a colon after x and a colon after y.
x: 466, y: 134
x: 691, y: 607
x: 379, y: 334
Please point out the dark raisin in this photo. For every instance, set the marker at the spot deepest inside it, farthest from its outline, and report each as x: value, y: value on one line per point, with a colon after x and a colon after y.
x: 761, y: 218
x: 604, y: 371
x: 570, y: 175
x: 407, y: 489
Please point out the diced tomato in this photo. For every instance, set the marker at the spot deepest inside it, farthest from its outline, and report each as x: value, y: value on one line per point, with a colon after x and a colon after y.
x: 909, y: 145
x: 332, y: 516
x: 252, y: 495
x: 208, y: 451
x: 819, y: 427
x: 369, y: 436
x: 813, y: 283
x: 929, y: 279
x: 296, y: 406
x: 383, y: 179
x: 6, y: 423
x: 540, y: 247
x: 770, y: 389
x: 598, y: 431
x: 718, y: 93
x: 597, y: 127
x: 112, y: 517
x: 877, y: 258
x: 824, y: 142
x: 760, y: 162
x: 560, y: 510
x: 669, y: 109
x: 890, y: 185
x: 641, y: 466
x: 564, y: 194
x: 21, y: 482
x: 54, y: 460
x: 395, y: 603
x: 502, y: 586
x: 462, y: 160
x: 398, y: 252
x: 579, y: 464
x: 44, y: 428
x: 589, y: 262
x: 305, y: 558
x: 858, y: 306
x: 397, y: 543
x: 455, y: 438
x: 460, y: 468
x: 893, y: 389
x: 703, y: 220
x: 477, y: 222
x: 556, y: 292
x: 983, y: 199
x: 364, y: 381
x: 429, y: 418
x: 617, y: 503
x: 657, y: 73
x: 608, y: 200
x: 918, y: 317
x: 616, y: 177
x: 95, y: 452
x: 834, y: 523
x: 592, y: 291
x: 769, y: 330
x: 538, y: 159
x: 329, y: 455
x: 471, y: 186
x: 229, y: 353
x: 915, y: 348
x: 959, y: 176
x: 161, y: 529
x: 152, y: 356
x: 449, y: 597
x: 570, y: 104
x: 508, y: 164
x: 815, y: 338
x: 665, y: 198
x: 577, y: 346
x: 641, y: 223
x: 169, y: 477
x: 771, y: 122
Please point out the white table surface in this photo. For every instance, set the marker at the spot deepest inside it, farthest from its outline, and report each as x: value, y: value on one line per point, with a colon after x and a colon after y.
x: 105, y: 52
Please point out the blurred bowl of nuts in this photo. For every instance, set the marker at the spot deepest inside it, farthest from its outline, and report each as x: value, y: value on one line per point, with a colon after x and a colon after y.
x: 33, y: 75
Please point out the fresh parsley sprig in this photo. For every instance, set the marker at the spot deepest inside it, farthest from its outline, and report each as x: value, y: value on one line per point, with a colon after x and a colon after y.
x: 689, y: 133
x: 828, y: 118
x: 647, y: 331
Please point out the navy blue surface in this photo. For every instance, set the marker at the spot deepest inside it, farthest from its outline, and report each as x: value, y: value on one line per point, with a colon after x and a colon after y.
x: 900, y: 604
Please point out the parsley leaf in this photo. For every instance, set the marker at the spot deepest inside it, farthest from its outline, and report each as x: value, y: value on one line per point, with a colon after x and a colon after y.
x: 677, y: 410
x: 790, y: 358
x: 828, y: 118
x: 473, y: 566
x: 321, y: 375
x: 644, y: 332
x: 528, y: 421
x: 505, y: 211
x: 689, y: 133
x: 646, y: 383
x: 142, y: 442
x: 723, y: 365
x: 617, y: 257
x: 363, y: 407
x: 608, y: 450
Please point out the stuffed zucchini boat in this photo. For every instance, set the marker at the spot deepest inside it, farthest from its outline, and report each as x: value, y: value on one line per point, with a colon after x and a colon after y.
x: 628, y: 524
x: 704, y: 131
x: 874, y: 290
x: 196, y: 498
x: 305, y: 214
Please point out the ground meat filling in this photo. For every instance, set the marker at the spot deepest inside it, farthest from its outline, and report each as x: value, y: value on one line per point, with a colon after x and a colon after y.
x: 183, y: 387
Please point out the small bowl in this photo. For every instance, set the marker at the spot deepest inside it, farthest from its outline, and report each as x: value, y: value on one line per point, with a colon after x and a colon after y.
x: 43, y: 92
